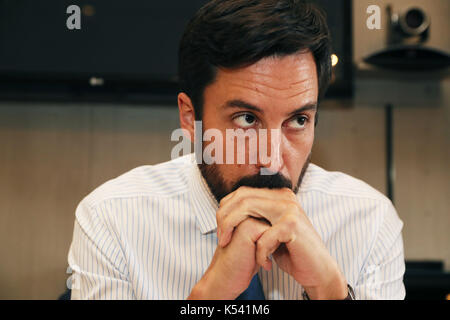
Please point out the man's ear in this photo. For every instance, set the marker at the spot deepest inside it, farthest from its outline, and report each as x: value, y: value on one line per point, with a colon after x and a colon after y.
x: 187, y: 114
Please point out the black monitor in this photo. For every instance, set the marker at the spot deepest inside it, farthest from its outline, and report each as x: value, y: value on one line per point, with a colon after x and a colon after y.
x: 125, y: 51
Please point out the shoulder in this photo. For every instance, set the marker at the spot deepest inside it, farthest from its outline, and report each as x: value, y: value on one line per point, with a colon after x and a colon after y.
x: 351, y: 197
x: 335, y: 183
x: 336, y: 195
x: 165, y: 179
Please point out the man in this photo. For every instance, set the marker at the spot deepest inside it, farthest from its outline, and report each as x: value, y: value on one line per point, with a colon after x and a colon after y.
x: 183, y: 229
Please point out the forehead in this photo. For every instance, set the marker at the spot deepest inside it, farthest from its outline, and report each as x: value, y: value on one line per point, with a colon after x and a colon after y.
x: 288, y: 77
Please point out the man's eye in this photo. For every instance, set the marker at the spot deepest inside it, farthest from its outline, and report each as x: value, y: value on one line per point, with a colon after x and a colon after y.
x: 245, y: 120
x: 298, y: 122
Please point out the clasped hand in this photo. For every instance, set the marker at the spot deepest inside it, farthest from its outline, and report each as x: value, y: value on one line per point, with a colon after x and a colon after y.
x: 252, y: 225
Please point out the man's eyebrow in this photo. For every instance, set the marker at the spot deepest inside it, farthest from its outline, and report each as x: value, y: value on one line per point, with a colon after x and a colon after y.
x: 237, y: 103
x: 306, y: 107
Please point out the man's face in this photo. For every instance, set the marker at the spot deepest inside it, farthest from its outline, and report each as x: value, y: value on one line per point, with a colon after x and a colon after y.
x: 274, y: 93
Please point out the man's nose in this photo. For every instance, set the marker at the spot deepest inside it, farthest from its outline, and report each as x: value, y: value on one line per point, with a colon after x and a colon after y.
x: 270, y: 149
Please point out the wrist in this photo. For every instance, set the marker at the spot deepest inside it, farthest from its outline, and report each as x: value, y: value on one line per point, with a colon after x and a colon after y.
x: 209, y: 288
x: 334, y: 289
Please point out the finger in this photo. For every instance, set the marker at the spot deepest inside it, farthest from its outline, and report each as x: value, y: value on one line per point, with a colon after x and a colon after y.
x: 270, y: 210
x: 259, y: 208
x: 251, y: 229
x: 245, y: 191
x: 226, y: 198
x: 269, y: 242
x: 233, y: 199
x: 265, y: 246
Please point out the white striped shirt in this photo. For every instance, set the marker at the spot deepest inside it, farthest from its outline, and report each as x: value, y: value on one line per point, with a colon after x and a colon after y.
x: 151, y: 234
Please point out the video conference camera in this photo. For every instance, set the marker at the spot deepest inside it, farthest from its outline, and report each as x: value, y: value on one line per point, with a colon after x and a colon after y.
x: 409, y: 25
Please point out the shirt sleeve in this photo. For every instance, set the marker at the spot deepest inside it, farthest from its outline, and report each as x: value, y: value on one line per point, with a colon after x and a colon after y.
x: 382, y: 275
x: 96, y: 258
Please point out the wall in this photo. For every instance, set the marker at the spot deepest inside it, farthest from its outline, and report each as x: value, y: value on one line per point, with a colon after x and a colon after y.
x: 421, y: 121
x: 52, y: 155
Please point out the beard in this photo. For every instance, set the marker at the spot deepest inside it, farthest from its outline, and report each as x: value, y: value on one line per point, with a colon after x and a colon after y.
x: 216, y: 182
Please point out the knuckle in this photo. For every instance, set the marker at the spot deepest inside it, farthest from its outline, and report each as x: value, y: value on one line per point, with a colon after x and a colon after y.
x: 289, y: 205
x: 242, y: 228
x: 290, y: 221
x: 261, y: 252
x: 288, y: 193
x: 246, y: 225
x: 283, y: 205
x: 286, y: 190
x: 243, y: 203
x: 242, y: 190
x: 252, y: 228
x: 261, y: 244
x: 220, y: 216
x: 293, y: 206
x: 245, y: 232
x: 224, y: 225
x: 261, y: 228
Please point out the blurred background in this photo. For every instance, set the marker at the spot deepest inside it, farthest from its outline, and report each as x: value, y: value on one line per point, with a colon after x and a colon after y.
x: 82, y: 104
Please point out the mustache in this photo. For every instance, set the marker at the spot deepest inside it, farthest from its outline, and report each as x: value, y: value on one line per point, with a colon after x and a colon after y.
x: 275, y: 181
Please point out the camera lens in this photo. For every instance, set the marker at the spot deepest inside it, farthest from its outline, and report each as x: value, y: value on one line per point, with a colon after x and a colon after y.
x: 413, y: 21
x: 414, y: 18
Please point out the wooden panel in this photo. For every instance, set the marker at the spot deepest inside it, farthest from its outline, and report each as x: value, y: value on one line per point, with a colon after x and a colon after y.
x: 51, y: 157
x: 43, y: 173
x: 422, y: 187
x: 127, y: 137
x: 352, y: 141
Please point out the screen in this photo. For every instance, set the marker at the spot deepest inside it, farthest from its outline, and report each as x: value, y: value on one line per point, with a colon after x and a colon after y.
x: 123, y: 49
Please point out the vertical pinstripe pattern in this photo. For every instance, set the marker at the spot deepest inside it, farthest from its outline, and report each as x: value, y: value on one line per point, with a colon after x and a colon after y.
x: 151, y: 234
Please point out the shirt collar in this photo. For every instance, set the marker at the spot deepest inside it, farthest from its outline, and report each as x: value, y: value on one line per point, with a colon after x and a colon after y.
x: 204, y: 203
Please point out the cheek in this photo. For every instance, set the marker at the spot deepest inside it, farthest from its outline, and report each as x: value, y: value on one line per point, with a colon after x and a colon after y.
x: 299, y: 145
x: 296, y: 151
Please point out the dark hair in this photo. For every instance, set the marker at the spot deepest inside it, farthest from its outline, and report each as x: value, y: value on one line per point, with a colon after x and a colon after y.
x: 238, y: 33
